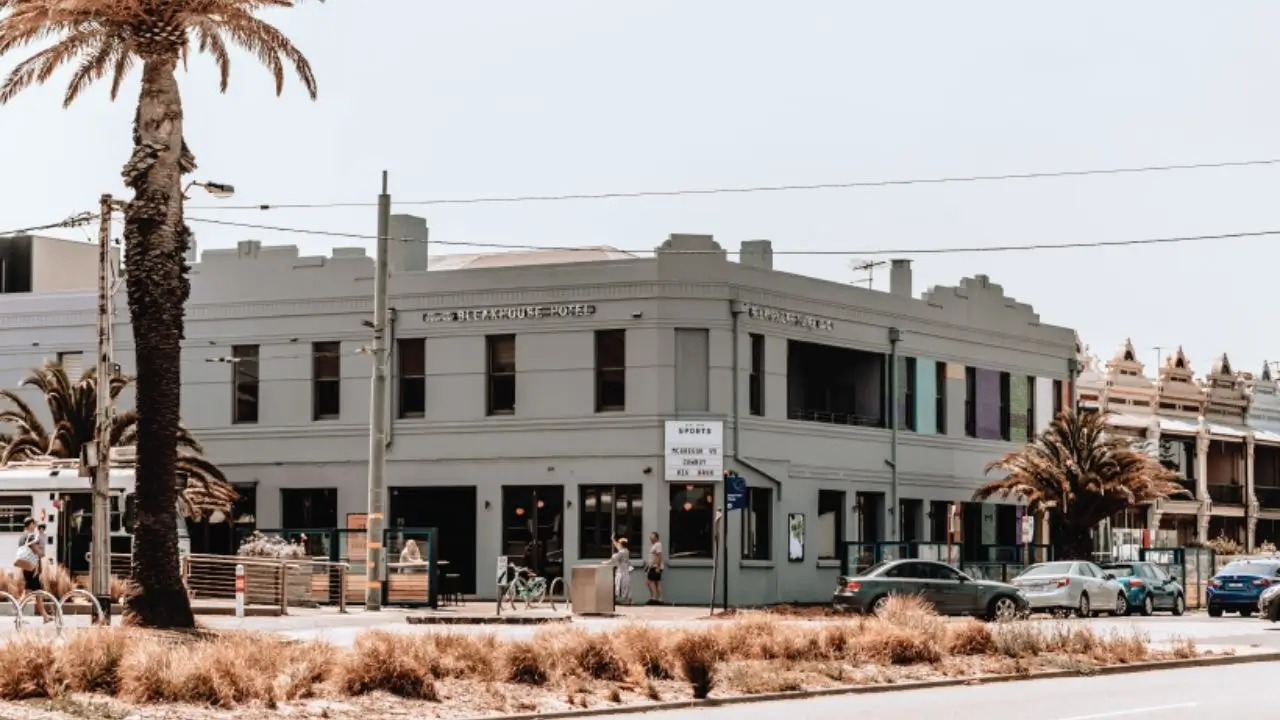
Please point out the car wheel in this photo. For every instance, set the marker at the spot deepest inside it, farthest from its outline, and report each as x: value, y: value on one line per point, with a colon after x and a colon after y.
x: 1273, y: 611
x: 1215, y: 611
x: 1003, y: 609
x: 879, y: 604
x: 1179, y: 605
x: 1121, y: 606
x: 1148, y: 606
x: 1247, y: 612
x: 1084, y: 609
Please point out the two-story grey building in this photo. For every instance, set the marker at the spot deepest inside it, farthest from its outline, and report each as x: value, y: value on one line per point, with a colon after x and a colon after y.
x: 530, y: 392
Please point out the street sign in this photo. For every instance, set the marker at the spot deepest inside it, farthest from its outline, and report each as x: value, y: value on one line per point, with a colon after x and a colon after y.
x: 1028, y: 529
x: 735, y: 491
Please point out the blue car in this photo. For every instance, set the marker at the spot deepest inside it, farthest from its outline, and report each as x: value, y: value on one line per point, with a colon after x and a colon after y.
x: 1239, y: 585
x: 1148, y: 588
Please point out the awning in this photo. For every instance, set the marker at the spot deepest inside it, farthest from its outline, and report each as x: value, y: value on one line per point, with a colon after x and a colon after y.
x: 1225, y: 431
x: 1266, y: 437
x: 1128, y: 421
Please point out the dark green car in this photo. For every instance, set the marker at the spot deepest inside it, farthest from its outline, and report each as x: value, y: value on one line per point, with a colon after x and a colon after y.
x: 950, y: 591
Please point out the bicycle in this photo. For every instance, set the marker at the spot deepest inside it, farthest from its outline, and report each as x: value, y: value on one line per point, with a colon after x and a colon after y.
x: 525, y: 585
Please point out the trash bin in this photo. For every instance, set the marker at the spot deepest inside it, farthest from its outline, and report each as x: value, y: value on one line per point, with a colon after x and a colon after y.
x: 591, y: 589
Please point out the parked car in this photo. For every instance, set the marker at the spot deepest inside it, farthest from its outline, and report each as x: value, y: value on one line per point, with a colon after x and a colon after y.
x: 1267, y: 605
x: 1148, y: 587
x: 950, y: 591
x: 1239, y: 585
x: 1072, y: 586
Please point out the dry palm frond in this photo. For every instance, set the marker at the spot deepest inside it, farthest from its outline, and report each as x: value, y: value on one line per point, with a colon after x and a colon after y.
x: 1080, y: 474
x: 105, y: 37
x: 73, y: 407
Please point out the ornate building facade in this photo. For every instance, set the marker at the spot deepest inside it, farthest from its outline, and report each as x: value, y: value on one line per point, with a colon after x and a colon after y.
x: 1221, y: 432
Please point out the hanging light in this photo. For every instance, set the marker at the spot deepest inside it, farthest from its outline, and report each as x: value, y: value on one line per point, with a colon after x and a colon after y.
x: 540, y: 504
x: 519, y: 511
x: 688, y: 506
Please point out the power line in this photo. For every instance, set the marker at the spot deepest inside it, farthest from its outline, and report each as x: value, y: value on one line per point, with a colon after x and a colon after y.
x: 896, y: 251
x: 77, y: 220
x: 1036, y: 175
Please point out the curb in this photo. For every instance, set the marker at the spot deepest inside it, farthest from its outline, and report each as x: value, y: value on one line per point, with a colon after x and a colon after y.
x: 880, y: 689
x: 485, y: 620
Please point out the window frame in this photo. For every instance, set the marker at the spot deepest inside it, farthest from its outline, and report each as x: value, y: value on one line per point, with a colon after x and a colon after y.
x: 750, y: 519
x: 675, y: 552
x: 591, y: 548
x: 493, y: 377
x: 405, y: 381
x: 1006, y: 407
x: 13, y: 510
x: 242, y: 356
x: 755, y: 377
x: 940, y: 397
x: 610, y: 374
x: 970, y: 401
x: 1031, y: 407
x: 908, y: 382
x: 321, y: 351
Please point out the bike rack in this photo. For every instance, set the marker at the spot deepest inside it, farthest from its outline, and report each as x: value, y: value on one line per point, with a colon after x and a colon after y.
x: 98, y: 615
x: 32, y: 597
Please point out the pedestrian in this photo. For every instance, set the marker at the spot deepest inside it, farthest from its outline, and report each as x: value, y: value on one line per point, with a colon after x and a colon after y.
x: 29, y: 559
x: 653, y: 570
x: 622, y: 575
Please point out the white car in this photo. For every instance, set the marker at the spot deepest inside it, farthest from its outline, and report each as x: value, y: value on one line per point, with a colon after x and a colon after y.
x: 1073, y: 586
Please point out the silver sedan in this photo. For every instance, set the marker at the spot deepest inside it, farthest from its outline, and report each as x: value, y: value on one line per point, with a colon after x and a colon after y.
x: 1071, y: 586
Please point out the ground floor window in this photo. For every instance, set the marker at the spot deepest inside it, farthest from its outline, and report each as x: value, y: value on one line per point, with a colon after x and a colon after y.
x: 306, y: 512
x: 692, y: 519
x: 606, y: 512
x: 756, y: 519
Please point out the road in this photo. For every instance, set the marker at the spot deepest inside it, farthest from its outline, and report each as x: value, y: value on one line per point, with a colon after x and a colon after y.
x: 1233, y: 691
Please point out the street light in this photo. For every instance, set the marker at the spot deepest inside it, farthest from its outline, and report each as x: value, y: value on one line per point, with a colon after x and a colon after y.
x: 222, y: 191
x: 98, y: 456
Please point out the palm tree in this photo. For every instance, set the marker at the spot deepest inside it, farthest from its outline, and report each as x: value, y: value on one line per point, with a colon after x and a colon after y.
x: 1079, y: 475
x: 73, y: 409
x: 107, y: 37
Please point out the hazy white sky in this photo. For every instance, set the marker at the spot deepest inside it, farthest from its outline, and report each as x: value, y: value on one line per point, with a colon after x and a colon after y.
x: 563, y: 96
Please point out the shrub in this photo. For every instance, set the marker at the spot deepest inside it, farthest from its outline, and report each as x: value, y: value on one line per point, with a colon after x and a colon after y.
x: 525, y: 663
x: 89, y: 662
x: 455, y: 655
x: 912, y: 612
x: 28, y: 670
x: 595, y: 656
x: 57, y: 581
x: 697, y: 653
x: 1018, y: 640
x: 896, y: 645
x: 11, y: 582
x: 646, y: 647
x: 146, y: 671
x: 756, y: 677
x: 121, y: 589
x: 270, y: 546
x: 383, y: 661
x: 970, y: 638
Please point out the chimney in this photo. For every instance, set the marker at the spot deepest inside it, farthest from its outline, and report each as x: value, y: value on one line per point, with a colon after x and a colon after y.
x: 757, y: 254
x: 407, y: 250
x: 900, y: 278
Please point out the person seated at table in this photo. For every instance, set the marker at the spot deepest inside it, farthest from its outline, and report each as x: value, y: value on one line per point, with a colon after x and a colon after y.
x: 411, y: 554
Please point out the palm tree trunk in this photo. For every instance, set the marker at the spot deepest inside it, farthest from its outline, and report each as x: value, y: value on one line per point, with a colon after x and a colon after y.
x: 1071, y: 541
x: 156, y: 239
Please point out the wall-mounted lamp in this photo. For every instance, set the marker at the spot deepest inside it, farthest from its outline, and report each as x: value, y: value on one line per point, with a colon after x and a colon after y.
x: 637, y: 314
x: 487, y: 504
x: 647, y: 470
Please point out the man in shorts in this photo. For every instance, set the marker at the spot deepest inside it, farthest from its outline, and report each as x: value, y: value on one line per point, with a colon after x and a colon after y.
x: 653, y: 570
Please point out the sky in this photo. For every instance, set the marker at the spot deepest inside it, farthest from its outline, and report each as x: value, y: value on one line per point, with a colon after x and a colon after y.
x: 512, y: 98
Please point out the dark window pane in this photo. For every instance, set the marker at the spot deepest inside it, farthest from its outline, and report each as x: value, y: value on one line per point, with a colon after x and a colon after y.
x: 830, y: 523
x: 755, y: 401
x: 692, y: 515
x: 756, y: 518
x: 501, y: 350
x: 611, y: 370
x: 328, y: 399
x: 413, y: 397
x: 611, y: 392
x: 611, y: 348
x: 413, y: 357
x: 326, y: 360
x: 502, y: 394
x: 245, y: 383
x: 502, y: 353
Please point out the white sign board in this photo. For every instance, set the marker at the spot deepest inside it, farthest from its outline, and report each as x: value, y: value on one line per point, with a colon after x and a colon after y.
x: 503, y: 562
x: 694, y: 450
x: 1028, y: 529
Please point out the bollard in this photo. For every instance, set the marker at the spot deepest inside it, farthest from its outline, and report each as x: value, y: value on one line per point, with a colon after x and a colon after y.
x: 239, y: 591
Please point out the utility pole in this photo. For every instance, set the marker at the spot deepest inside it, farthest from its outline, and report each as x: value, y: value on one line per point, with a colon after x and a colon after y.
x: 895, y: 527
x: 100, y: 552
x: 378, y: 409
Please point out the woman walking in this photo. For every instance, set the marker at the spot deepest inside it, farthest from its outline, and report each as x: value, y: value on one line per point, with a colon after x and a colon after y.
x: 622, y: 575
x: 29, y: 558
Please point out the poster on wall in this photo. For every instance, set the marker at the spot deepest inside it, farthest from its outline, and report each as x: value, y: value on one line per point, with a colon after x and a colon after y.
x: 795, y: 537
x: 694, y: 450
x: 356, y: 549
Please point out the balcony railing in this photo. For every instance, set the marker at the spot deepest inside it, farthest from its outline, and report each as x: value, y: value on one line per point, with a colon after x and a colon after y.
x: 1268, y: 497
x: 1227, y: 494
x: 835, y: 418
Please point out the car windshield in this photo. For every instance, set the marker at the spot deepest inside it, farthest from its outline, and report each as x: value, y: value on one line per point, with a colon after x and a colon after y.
x: 1120, y: 570
x: 1047, y: 569
x: 1250, y: 568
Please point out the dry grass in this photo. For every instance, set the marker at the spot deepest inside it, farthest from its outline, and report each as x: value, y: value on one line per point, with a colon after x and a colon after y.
x: 57, y: 581
x: 558, y: 669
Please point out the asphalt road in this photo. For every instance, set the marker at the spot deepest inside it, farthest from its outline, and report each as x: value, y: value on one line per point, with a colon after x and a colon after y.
x: 1231, y: 691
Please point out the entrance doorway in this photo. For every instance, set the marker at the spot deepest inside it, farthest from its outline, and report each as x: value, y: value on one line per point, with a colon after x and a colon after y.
x: 452, y: 511
x: 533, y: 527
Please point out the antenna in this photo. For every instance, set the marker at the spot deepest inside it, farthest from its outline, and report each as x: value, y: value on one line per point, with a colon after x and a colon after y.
x: 858, y: 265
